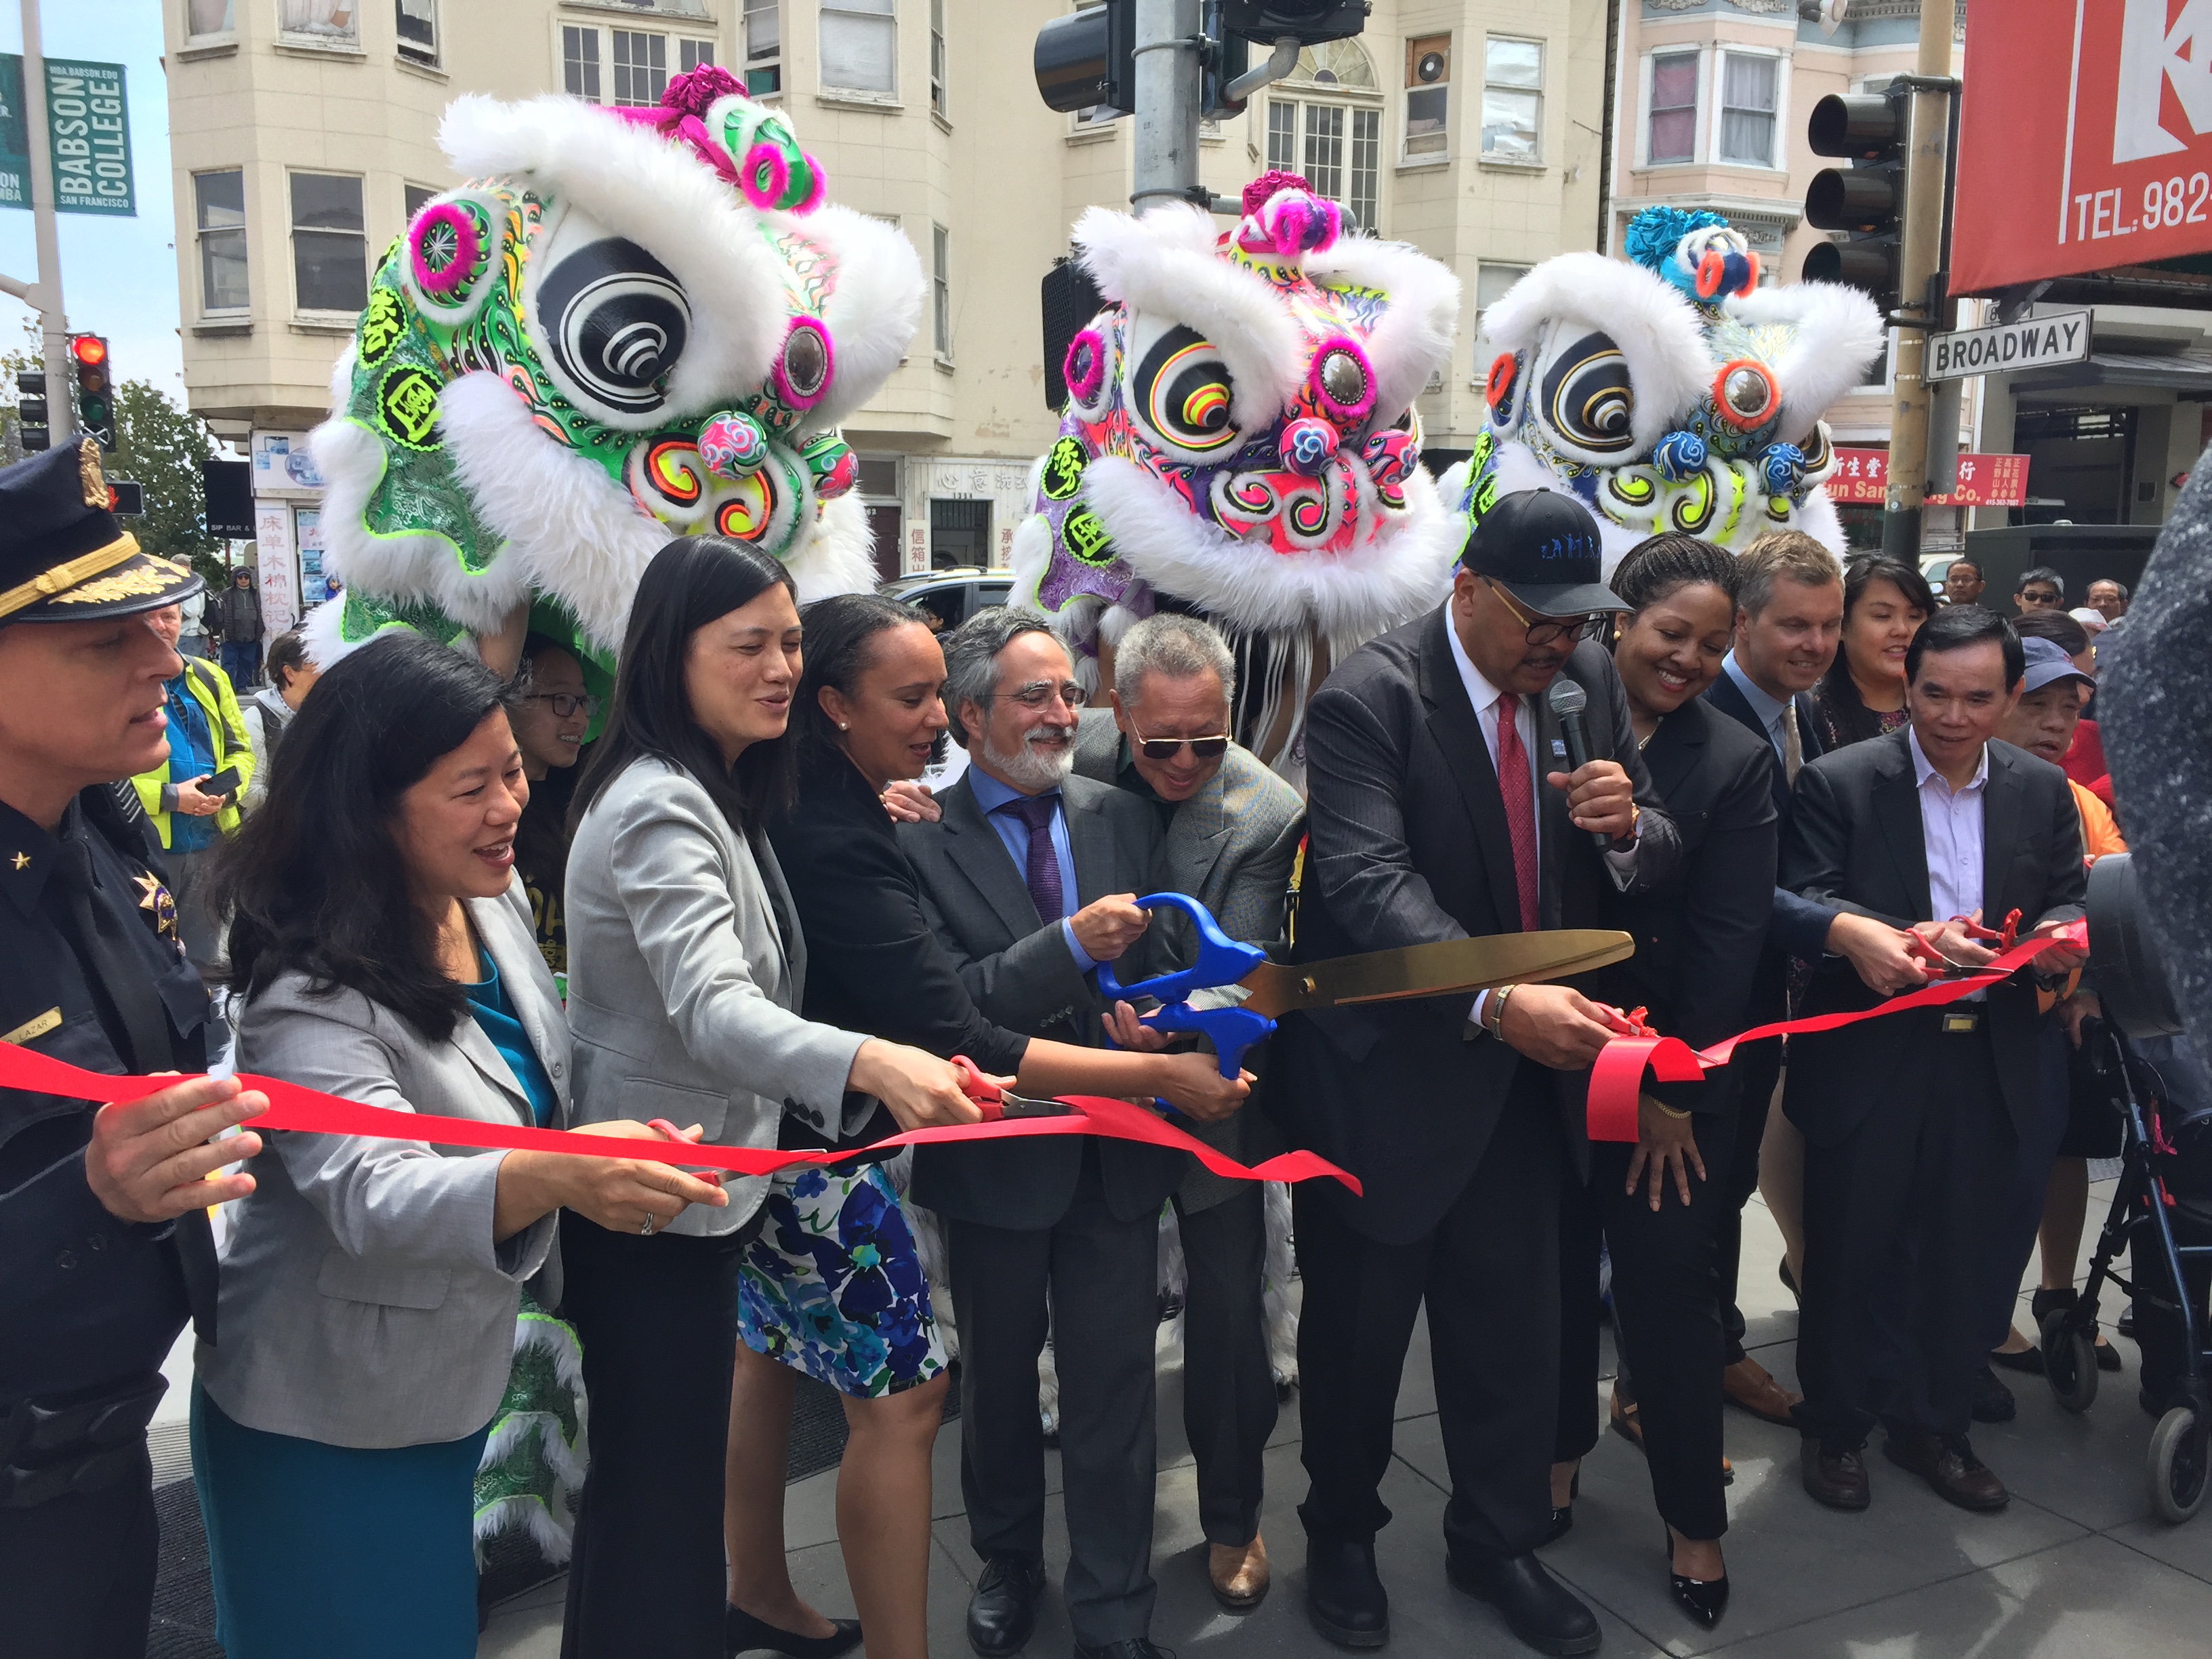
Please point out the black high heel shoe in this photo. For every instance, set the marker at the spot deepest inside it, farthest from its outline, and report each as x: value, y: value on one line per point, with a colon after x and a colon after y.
x: 1563, y: 1520
x: 1703, y: 1600
x: 746, y: 1634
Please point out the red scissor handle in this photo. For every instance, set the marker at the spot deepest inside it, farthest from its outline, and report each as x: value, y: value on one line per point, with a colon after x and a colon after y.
x: 978, y: 1089
x: 669, y: 1131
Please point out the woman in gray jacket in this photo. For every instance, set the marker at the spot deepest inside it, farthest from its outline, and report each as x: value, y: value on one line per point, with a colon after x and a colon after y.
x: 382, y: 951
x: 685, y: 967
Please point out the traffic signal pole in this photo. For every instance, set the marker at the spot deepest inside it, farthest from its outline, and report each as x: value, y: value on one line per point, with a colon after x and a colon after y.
x: 1919, y: 260
x: 1168, y: 71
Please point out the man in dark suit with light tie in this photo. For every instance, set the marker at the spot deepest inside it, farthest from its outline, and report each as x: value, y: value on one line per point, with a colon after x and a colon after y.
x: 1441, y: 806
x: 1029, y: 879
x: 1912, y: 1121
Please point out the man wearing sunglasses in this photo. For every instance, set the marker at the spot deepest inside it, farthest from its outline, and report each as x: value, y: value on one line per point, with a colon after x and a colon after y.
x: 1232, y: 829
x: 1441, y: 803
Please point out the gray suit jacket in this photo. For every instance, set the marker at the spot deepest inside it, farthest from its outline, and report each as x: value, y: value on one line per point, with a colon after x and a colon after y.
x: 684, y: 965
x: 363, y: 1301
x: 1229, y: 847
x: 1021, y: 974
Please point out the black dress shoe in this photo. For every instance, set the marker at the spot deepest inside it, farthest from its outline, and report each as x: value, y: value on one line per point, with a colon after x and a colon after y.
x: 1542, y: 1611
x: 2028, y: 1360
x: 746, y: 1634
x: 1993, y: 1401
x: 1002, y: 1612
x: 1703, y: 1599
x: 1135, y: 1647
x: 1345, y: 1598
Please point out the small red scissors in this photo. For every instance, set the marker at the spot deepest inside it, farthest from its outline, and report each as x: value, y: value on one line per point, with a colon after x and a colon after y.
x: 998, y: 1103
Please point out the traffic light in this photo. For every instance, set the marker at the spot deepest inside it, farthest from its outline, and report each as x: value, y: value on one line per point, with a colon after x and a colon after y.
x: 96, y: 400
x: 1230, y: 56
x: 1088, y: 58
x: 1307, y: 21
x: 31, y: 414
x: 1866, y: 199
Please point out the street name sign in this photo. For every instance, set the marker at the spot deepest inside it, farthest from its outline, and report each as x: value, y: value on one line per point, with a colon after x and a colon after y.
x: 2029, y: 344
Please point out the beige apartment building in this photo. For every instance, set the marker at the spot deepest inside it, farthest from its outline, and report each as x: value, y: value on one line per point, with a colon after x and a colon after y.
x: 304, y: 134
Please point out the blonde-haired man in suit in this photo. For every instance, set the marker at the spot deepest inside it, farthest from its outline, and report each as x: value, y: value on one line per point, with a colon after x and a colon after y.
x: 1232, y: 829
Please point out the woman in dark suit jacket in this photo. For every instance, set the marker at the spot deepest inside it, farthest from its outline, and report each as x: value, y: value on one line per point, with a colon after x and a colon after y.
x: 867, y: 713
x: 1697, y: 947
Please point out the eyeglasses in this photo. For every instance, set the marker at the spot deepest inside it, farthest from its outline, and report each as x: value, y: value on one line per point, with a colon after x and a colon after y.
x: 565, y: 704
x: 1545, y: 630
x: 1041, y: 694
x: 1166, y: 749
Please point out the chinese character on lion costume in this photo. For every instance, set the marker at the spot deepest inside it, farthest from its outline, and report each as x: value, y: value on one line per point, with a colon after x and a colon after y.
x: 630, y: 324
x: 1239, y: 441
x: 1670, y: 392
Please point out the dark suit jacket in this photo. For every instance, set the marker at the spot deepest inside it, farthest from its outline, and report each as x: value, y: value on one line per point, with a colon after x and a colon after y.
x: 1699, y: 943
x: 1407, y: 843
x: 1019, y: 972
x: 1799, y: 927
x: 1855, y: 843
x: 873, y: 962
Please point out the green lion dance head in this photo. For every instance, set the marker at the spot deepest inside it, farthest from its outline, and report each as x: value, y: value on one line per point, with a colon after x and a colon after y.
x: 630, y: 324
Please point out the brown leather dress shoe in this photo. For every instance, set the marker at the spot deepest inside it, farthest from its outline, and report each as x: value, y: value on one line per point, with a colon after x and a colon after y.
x: 1947, y: 1463
x: 1238, y: 1574
x: 1749, y: 1384
x: 1836, y: 1478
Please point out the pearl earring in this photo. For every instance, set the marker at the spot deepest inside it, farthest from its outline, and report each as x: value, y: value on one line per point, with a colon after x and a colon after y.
x: 841, y: 726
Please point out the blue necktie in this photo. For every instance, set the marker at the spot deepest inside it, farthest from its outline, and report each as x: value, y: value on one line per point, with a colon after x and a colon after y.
x: 1042, y: 876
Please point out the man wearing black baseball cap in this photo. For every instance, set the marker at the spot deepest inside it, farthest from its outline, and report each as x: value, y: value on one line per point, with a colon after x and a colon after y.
x: 103, y: 1223
x: 1443, y: 804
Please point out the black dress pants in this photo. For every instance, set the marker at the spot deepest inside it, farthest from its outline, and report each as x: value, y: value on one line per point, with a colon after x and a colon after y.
x: 1666, y: 1305
x: 1758, y: 1068
x: 1488, y: 1272
x: 76, y: 1574
x: 1227, y: 1386
x: 1899, y: 1213
x: 657, y: 1319
x: 1099, y: 1276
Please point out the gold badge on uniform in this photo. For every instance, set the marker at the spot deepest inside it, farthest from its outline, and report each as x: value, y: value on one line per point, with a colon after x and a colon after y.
x: 31, y: 1030
x: 158, y: 901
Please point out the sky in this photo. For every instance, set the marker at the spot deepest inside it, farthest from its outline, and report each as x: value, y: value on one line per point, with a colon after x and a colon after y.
x: 118, y: 275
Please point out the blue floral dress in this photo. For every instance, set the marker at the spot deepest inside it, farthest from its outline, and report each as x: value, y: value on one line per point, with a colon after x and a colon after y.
x: 832, y: 1285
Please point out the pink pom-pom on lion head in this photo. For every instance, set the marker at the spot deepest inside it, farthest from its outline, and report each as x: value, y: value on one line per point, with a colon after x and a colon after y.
x: 1290, y: 222
x: 694, y: 91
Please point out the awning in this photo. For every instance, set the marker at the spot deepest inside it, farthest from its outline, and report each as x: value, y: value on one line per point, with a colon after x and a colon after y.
x: 2189, y: 373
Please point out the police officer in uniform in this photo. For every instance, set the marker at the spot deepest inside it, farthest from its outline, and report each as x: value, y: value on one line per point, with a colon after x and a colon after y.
x: 105, y: 1249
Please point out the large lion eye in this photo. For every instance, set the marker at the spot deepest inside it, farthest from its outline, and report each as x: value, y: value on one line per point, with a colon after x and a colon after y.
x: 1184, y: 390
x: 1589, y: 395
x: 615, y: 319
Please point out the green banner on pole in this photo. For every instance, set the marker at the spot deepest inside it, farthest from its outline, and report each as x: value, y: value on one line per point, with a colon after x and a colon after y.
x: 88, y: 125
x: 14, y: 134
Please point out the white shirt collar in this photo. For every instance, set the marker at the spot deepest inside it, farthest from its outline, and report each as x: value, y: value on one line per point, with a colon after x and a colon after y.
x: 1479, y: 691
x: 1923, y: 768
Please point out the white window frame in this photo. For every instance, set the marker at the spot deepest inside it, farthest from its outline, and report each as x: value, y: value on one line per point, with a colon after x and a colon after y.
x: 409, y: 52
x: 228, y: 32
x: 347, y: 45
x: 940, y: 293
x: 614, y: 70
x: 1699, y: 107
x: 768, y: 63
x: 1540, y: 91
x: 940, y: 66
x: 292, y: 240
x: 562, y: 28
x: 199, y: 236
x: 1714, y: 82
x: 691, y: 53
x: 1353, y: 108
x: 677, y: 44
x: 824, y: 86
x: 1429, y: 158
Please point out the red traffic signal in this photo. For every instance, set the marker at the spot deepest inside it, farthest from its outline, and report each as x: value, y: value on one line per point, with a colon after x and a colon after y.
x: 89, y: 349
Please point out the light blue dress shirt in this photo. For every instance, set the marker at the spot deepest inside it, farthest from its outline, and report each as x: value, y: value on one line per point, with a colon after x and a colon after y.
x: 990, y: 795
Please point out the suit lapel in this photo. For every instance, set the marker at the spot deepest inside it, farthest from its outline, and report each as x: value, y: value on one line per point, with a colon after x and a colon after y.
x: 974, y: 845
x: 1458, y: 733
x: 482, y: 1054
x: 1198, y: 835
x: 1897, y: 808
x: 1090, y: 839
x: 2001, y: 805
x: 791, y: 942
x: 1809, y: 741
x: 1672, y: 754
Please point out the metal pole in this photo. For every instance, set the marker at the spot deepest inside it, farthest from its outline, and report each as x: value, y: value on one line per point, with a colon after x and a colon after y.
x: 1168, y: 86
x: 1924, y: 237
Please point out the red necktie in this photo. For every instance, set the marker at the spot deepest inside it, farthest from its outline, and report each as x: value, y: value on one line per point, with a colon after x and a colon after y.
x: 1513, y: 784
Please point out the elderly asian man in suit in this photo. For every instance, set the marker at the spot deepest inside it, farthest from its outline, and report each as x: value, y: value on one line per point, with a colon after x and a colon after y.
x: 1030, y: 878
x: 1232, y: 829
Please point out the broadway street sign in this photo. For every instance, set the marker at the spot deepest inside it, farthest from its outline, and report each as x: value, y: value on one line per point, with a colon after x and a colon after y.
x: 2030, y: 343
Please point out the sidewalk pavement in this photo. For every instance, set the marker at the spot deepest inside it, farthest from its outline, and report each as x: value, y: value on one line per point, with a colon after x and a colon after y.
x: 2076, y: 1568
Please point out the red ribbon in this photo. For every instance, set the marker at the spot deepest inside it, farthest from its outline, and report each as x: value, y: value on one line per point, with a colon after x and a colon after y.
x: 291, y: 1107
x: 1617, y: 1079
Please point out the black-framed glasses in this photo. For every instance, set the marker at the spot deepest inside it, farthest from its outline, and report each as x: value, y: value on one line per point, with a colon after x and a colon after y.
x: 1166, y: 749
x: 1040, y: 694
x: 566, y: 704
x: 1546, y: 630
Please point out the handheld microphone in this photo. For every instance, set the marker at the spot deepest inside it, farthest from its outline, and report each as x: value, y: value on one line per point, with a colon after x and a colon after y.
x: 1568, y: 700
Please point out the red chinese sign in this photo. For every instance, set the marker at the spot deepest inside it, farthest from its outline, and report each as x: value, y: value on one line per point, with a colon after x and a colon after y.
x: 1862, y: 479
x: 2086, y: 138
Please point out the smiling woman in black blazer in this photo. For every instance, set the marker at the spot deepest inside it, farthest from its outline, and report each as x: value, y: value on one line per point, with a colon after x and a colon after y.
x: 1696, y: 947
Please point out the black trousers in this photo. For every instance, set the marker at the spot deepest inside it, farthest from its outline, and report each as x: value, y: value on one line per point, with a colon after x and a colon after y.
x: 658, y: 1318
x: 2020, y: 1216
x: 1488, y: 1272
x: 76, y: 1574
x: 1666, y: 1305
x: 1227, y: 1386
x: 1098, y: 1276
x: 1899, y: 1213
x: 1757, y: 1072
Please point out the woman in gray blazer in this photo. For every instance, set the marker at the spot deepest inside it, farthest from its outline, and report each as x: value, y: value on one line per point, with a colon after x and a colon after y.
x: 685, y: 966
x: 381, y: 950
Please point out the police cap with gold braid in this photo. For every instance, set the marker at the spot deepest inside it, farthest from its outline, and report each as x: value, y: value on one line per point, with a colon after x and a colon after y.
x: 62, y: 557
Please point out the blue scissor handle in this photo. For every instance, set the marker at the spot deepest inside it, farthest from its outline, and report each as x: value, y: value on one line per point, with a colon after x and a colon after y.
x: 1221, y: 961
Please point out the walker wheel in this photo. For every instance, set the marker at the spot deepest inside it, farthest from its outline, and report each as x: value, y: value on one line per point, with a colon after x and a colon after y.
x: 2069, y: 1362
x: 2177, y: 1466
